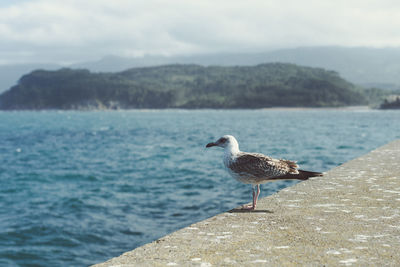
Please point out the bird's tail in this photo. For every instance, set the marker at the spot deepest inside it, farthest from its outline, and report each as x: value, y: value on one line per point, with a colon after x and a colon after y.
x: 302, y: 175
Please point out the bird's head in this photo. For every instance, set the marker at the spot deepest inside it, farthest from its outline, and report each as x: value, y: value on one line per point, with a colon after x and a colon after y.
x: 226, y: 141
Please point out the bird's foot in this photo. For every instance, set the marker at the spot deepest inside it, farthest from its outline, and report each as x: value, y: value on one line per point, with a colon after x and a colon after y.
x: 248, y: 207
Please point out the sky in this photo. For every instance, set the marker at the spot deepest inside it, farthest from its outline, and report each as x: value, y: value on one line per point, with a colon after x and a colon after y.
x: 71, y: 31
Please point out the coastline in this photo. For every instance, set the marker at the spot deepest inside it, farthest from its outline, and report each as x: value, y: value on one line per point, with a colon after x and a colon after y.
x: 344, y: 108
x: 349, y: 108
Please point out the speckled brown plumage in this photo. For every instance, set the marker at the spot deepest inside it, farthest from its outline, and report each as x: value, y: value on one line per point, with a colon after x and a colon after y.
x: 262, y: 167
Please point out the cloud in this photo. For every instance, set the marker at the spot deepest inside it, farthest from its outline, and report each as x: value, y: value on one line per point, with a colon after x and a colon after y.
x: 71, y: 30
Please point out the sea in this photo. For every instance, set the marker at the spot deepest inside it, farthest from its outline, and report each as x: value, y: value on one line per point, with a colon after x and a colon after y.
x: 80, y: 187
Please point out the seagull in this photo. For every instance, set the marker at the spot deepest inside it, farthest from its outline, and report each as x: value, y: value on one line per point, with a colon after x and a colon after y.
x: 256, y: 168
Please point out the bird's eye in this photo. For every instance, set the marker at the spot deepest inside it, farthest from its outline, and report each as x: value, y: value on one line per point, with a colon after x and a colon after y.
x: 222, y: 140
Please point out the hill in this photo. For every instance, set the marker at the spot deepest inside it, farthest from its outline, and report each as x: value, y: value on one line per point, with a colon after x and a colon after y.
x: 183, y: 86
x: 391, y: 102
x: 369, y: 67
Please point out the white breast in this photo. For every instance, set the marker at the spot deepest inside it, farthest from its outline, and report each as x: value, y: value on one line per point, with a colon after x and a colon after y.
x: 228, y: 159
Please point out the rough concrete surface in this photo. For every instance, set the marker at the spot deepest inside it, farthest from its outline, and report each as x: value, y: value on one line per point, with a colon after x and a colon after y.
x: 351, y: 216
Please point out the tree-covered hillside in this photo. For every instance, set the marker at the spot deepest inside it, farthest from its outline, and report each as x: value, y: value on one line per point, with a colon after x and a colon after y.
x: 183, y: 86
x: 392, y: 102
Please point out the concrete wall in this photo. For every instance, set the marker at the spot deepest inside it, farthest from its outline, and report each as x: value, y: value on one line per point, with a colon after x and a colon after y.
x: 351, y: 216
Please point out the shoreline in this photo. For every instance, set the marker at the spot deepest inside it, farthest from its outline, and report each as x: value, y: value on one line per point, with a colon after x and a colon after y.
x: 350, y: 108
x: 345, y: 108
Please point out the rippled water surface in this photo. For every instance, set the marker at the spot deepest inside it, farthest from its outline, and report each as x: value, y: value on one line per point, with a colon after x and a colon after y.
x: 80, y: 187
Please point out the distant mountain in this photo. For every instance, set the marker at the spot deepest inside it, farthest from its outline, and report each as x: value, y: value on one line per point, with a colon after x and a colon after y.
x: 364, y: 66
x: 183, y: 86
x: 369, y: 67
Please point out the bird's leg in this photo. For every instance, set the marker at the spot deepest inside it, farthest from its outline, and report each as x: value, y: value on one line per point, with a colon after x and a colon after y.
x: 257, y: 194
x: 252, y: 207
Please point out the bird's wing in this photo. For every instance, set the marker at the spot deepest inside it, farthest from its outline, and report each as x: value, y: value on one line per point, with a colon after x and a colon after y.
x: 261, y: 166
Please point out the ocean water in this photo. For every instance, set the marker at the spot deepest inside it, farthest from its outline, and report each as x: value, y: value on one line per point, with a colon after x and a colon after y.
x: 78, y: 188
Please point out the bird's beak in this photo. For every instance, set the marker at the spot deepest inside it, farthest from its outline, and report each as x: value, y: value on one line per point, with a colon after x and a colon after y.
x: 211, y: 144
